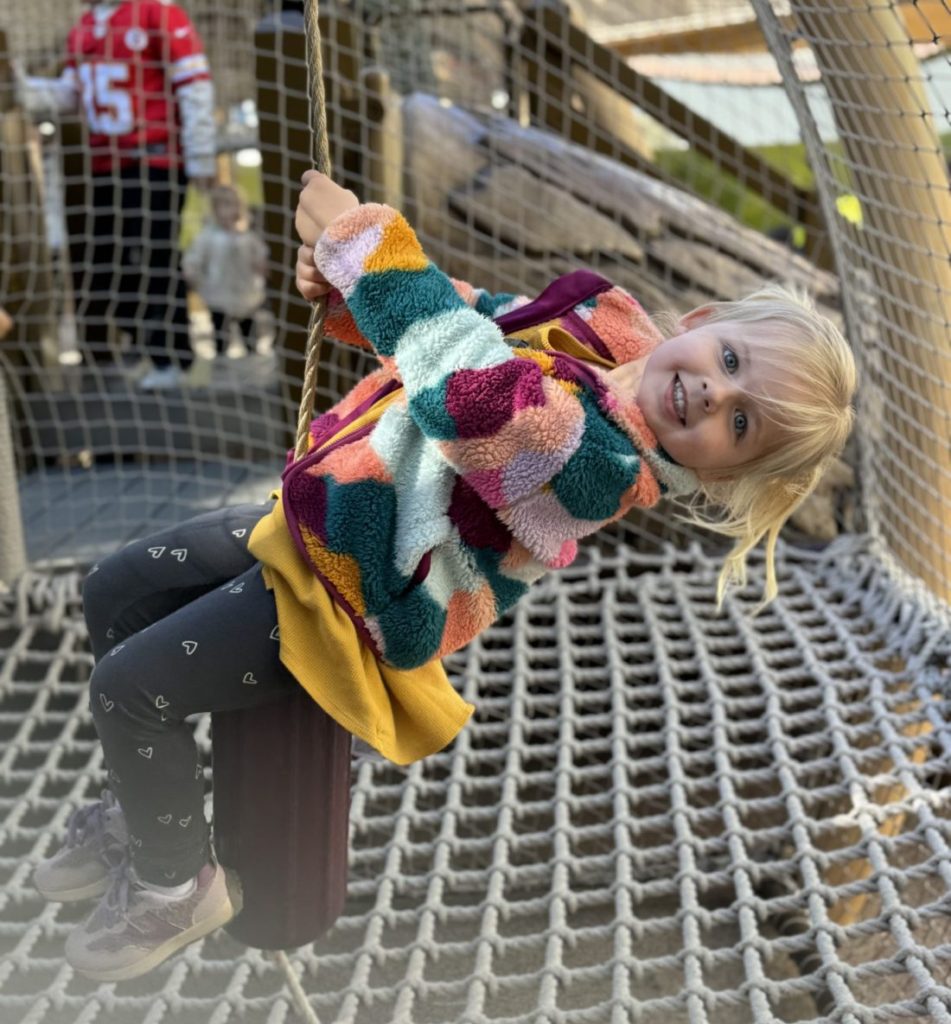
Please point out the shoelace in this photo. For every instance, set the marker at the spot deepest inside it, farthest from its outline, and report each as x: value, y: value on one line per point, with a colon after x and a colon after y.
x: 116, y: 900
x: 85, y: 821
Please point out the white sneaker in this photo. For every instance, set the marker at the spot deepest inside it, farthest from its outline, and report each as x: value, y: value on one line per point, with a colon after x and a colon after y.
x: 198, y: 375
x: 96, y: 837
x: 161, y: 378
x: 133, y: 930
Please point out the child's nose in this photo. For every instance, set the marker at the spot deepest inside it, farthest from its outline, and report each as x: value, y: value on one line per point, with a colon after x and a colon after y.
x: 715, y: 393
x: 711, y: 396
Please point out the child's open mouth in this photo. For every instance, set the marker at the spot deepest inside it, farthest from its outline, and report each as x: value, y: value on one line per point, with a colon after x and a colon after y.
x: 680, y: 400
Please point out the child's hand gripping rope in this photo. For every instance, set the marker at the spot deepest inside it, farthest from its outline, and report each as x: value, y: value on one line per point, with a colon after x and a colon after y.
x: 321, y: 201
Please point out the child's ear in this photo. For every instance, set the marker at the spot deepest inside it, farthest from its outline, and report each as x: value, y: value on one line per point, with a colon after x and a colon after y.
x: 694, y: 318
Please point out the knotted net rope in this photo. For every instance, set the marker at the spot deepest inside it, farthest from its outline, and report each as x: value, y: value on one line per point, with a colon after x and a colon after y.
x: 658, y: 814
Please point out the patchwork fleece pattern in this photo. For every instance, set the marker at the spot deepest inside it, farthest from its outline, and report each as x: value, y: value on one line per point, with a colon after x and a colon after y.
x: 495, y: 460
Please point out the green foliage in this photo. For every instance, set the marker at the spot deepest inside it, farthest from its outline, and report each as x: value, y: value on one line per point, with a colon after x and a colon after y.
x: 717, y: 186
x: 702, y: 176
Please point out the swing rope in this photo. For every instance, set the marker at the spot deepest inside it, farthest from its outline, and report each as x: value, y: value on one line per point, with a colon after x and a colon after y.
x: 320, y: 159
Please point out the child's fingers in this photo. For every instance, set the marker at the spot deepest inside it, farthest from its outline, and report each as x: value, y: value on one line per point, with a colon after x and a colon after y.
x: 308, y: 231
x: 320, y: 201
x: 311, y: 291
x: 306, y: 266
x: 310, y: 282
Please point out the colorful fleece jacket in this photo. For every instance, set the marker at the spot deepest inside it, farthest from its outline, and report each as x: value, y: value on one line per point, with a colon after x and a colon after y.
x: 489, y: 464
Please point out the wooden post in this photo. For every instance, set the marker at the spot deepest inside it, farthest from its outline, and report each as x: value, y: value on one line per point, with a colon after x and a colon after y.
x: 885, y: 124
x: 224, y: 169
x: 12, y: 544
x: 26, y: 283
x: 382, y: 144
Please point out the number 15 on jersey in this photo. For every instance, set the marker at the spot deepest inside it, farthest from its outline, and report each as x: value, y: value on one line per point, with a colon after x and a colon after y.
x: 106, y: 97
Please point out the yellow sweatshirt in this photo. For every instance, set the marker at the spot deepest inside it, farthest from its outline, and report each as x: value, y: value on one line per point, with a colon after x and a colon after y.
x: 405, y: 714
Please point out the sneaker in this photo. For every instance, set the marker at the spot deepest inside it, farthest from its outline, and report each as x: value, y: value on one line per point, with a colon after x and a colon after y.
x: 133, y: 929
x: 198, y: 375
x: 96, y: 837
x: 161, y: 378
x: 135, y: 368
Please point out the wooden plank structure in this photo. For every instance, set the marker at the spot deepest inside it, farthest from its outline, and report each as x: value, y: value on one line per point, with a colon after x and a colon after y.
x: 738, y: 31
x: 674, y: 250
x: 554, y: 51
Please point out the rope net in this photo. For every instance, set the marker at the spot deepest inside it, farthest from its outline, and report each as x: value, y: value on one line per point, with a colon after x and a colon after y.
x: 659, y: 814
x: 561, y: 154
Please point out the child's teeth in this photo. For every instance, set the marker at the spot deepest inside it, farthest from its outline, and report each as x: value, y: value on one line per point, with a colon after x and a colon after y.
x: 679, y: 399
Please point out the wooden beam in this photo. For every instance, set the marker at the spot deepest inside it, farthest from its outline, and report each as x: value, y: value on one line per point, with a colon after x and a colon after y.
x: 553, y: 50
x: 696, y: 36
x: 927, y: 21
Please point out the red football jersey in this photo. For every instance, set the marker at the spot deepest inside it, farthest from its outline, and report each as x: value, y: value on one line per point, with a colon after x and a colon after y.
x: 128, y: 66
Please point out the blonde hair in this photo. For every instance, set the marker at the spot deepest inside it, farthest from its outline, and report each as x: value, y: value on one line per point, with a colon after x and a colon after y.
x: 813, y: 410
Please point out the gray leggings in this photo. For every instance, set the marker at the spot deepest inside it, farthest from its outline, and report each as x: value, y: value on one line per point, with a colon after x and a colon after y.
x: 180, y: 622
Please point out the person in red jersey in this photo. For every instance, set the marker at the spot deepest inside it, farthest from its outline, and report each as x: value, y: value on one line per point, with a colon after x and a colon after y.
x: 138, y: 72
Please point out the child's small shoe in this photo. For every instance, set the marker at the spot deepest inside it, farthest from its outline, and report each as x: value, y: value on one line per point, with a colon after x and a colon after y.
x: 161, y: 378
x: 134, y: 929
x: 96, y: 837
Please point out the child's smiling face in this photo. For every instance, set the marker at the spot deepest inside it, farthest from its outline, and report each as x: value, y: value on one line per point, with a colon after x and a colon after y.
x: 701, y: 393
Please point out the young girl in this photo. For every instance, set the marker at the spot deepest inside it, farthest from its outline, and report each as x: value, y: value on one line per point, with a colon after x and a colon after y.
x: 433, y: 495
x: 226, y: 264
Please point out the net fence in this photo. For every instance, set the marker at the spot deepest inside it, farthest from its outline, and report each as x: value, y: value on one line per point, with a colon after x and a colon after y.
x: 519, y: 146
x: 659, y: 814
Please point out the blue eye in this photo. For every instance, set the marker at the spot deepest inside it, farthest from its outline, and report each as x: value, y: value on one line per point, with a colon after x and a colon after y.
x: 730, y: 360
x: 740, y: 423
